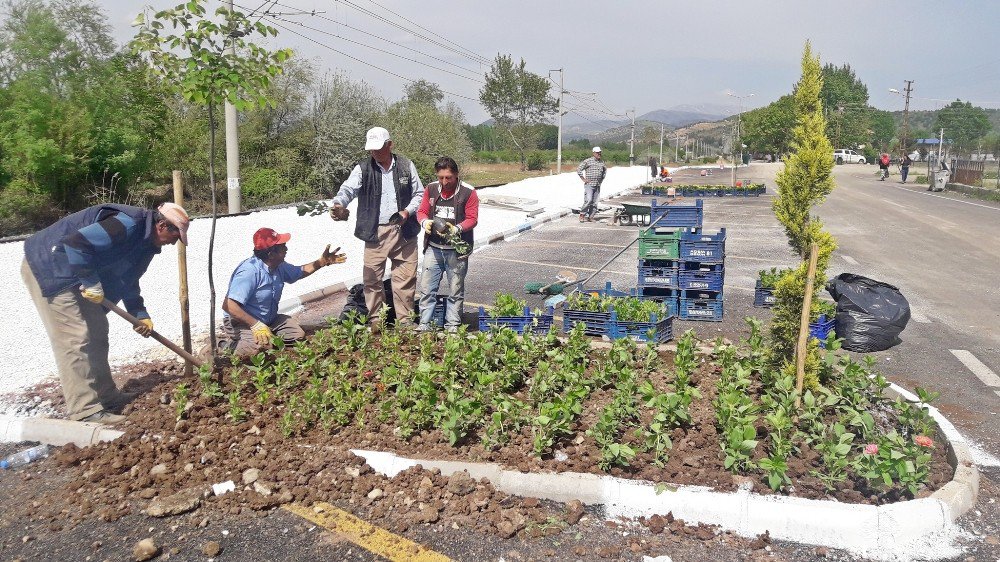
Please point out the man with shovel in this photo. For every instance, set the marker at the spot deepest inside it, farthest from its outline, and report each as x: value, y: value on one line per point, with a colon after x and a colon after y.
x: 251, y: 304
x: 70, y: 268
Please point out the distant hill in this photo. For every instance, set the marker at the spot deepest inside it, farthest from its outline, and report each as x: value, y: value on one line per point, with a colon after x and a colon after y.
x: 684, y: 115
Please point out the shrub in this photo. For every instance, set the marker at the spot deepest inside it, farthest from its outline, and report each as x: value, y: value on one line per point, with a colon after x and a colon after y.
x: 536, y: 161
x: 24, y: 208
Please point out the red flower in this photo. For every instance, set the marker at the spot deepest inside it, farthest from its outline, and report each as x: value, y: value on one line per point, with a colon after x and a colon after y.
x: 923, y: 441
x: 871, y: 449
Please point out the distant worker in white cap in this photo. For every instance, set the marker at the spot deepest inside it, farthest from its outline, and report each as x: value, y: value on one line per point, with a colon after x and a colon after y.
x: 388, y: 190
x: 70, y: 268
x: 592, y: 172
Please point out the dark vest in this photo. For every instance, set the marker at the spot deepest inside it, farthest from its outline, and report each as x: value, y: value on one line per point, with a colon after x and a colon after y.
x: 432, y: 192
x: 47, y: 257
x: 370, y: 198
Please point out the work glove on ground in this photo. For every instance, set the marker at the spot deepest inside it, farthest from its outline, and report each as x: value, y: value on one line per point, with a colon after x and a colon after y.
x: 144, y: 328
x: 262, y: 334
x: 339, y: 212
x: 93, y: 293
x: 330, y: 258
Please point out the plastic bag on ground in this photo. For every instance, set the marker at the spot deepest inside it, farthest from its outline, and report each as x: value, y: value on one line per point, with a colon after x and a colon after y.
x: 870, y: 314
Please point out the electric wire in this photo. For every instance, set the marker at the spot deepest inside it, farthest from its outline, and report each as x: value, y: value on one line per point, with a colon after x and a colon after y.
x: 474, y: 55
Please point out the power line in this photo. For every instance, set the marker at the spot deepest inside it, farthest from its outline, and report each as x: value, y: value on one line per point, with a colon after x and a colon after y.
x: 300, y: 24
x: 389, y: 72
x: 474, y: 55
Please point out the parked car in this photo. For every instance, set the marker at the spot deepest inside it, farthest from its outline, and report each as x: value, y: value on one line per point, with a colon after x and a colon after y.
x: 846, y: 156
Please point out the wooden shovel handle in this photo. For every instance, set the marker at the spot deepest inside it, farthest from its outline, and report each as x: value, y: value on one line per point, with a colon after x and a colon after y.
x: 155, y: 335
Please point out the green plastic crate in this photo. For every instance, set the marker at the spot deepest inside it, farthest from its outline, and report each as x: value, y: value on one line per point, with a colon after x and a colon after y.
x: 659, y: 244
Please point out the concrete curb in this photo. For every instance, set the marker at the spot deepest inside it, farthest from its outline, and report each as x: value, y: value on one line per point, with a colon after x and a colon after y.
x: 54, y: 431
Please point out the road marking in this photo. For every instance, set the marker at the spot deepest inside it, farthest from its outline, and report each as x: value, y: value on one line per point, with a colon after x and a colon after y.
x: 734, y: 257
x: 619, y: 246
x: 369, y: 537
x: 560, y: 266
x: 849, y: 259
x: 948, y: 198
x: 977, y: 367
x: 896, y: 204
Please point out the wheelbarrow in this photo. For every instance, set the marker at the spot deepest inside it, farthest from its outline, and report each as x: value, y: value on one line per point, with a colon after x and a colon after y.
x: 629, y: 214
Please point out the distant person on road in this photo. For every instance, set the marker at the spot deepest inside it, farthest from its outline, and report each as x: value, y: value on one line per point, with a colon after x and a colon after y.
x: 450, y: 207
x: 251, y: 306
x: 389, y: 190
x: 652, y: 167
x: 591, y: 172
x: 70, y: 268
x: 904, y: 166
x: 883, y: 165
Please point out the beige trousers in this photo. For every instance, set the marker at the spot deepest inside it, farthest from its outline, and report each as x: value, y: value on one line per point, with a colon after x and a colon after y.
x: 78, y: 332
x: 402, y: 253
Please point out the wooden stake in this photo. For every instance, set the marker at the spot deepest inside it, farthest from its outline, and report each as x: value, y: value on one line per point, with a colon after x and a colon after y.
x: 182, y: 294
x: 800, y: 348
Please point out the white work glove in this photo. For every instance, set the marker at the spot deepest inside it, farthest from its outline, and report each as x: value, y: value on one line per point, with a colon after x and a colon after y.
x: 93, y: 293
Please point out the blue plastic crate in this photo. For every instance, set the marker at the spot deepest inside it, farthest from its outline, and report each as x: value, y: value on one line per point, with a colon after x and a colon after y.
x: 763, y: 297
x: 662, y: 328
x: 690, y: 216
x: 440, y: 304
x: 519, y: 324
x: 701, y: 266
x: 821, y: 328
x: 657, y: 275
x: 663, y: 295
x: 607, y: 291
x: 701, y: 279
x: 703, y: 247
x: 709, y: 310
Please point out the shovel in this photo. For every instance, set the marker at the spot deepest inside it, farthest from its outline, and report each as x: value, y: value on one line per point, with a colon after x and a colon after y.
x: 155, y: 335
x: 563, y: 279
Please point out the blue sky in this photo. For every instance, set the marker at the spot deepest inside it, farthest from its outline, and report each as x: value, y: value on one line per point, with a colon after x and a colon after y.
x: 650, y: 55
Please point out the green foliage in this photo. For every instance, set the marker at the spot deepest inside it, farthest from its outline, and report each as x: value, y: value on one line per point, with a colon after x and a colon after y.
x: 22, y: 206
x: 628, y: 309
x: 765, y: 129
x: 769, y: 278
x: 962, y: 123
x: 506, y: 305
x: 537, y: 161
x: 424, y: 133
x: 517, y: 100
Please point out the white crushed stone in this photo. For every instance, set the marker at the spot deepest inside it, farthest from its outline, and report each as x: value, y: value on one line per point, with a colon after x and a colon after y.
x: 28, y: 360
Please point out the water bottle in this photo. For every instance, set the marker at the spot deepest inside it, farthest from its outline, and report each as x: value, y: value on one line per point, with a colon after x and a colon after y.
x: 24, y: 457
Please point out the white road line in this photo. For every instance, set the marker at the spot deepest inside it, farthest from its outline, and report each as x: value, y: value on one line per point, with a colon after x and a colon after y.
x: 896, y: 204
x: 849, y: 259
x: 948, y: 198
x: 977, y: 367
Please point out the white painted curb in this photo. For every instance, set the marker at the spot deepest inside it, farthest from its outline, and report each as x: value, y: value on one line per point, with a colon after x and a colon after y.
x: 54, y: 432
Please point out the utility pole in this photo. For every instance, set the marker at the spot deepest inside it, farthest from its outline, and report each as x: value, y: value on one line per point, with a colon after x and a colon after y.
x: 677, y: 145
x: 905, y: 133
x: 559, y: 137
x: 631, y: 142
x: 661, y: 144
x: 232, y: 146
x: 736, y: 134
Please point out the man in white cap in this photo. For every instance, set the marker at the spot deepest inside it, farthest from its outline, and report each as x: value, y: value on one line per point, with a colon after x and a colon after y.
x: 70, y: 268
x: 592, y: 172
x: 388, y: 190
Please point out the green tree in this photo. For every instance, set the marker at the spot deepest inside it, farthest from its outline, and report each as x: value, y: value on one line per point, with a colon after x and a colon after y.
x: 765, y: 129
x: 193, y: 58
x: 517, y: 100
x: 962, y: 123
x: 423, y: 133
x: 805, y: 182
x: 423, y: 92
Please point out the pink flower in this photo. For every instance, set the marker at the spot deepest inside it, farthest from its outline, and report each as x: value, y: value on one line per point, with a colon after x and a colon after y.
x: 923, y: 441
x: 871, y: 449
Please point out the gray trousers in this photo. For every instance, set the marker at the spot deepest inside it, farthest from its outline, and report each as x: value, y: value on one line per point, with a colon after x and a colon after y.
x: 591, y: 193
x: 239, y: 339
x: 78, y: 332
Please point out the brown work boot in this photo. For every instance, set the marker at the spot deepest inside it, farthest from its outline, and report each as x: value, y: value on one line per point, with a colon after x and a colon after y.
x: 119, y: 400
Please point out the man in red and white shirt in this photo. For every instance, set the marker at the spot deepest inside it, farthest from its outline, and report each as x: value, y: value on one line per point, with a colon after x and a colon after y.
x: 448, y: 209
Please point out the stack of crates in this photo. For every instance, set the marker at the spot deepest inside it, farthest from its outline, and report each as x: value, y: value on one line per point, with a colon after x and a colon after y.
x: 680, y: 265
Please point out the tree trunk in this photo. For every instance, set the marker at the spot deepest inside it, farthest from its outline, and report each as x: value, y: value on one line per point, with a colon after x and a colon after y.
x: 211, y: 237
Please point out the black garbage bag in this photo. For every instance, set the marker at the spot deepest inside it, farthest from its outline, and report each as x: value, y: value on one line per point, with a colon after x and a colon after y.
x: 356, y: 302
x: 870, y: 314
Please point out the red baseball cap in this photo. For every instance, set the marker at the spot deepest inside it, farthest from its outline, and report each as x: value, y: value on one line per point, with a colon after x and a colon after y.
x: 265, y: 238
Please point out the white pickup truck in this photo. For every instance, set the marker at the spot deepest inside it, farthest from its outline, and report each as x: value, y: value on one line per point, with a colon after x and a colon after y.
x: 845, y: 156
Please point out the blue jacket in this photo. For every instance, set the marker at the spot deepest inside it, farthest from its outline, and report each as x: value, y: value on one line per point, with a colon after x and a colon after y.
x: 109, y: 243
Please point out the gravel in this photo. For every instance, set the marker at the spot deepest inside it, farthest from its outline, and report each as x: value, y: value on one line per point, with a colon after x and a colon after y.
x: 29, y: 361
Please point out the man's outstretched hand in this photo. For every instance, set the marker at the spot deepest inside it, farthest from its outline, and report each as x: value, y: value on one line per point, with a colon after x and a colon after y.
x: 339, y: 212
x: 330, y: 258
